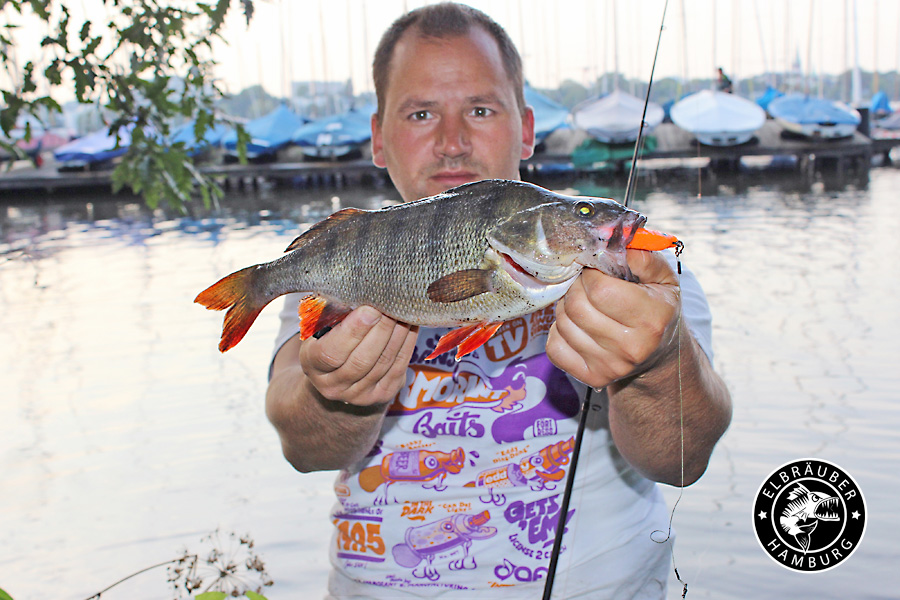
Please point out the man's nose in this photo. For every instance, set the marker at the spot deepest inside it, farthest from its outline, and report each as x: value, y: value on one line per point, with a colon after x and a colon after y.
x: 453, y: 137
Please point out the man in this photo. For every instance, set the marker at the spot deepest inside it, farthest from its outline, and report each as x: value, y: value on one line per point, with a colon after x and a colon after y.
x: 452, y: 473
x: 725, y: 84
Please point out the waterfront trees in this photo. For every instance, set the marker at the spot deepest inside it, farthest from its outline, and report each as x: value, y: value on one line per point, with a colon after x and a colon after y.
x: 147, y: 63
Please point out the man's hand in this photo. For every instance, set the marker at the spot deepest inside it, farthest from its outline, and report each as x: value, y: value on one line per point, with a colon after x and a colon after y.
x: 361, y: 361
x: 607, y: 328
x: 327, y: 397
x: 622, y: 336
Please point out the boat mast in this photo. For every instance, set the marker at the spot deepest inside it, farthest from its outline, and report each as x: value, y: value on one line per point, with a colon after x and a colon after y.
x: 615, y: 23
x: 855, y: 84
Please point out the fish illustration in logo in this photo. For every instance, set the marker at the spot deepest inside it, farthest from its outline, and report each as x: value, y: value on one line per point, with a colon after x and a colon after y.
x: 804, y: 511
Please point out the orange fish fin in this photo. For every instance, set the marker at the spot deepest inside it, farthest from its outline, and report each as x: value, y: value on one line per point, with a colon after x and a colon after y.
x: 460, y: 285
x: 475, y: 341
x: 648, y: 239
x: 317, y: 313
x: 452, y: 339
x: 234, y: 292
x: 335, y: 219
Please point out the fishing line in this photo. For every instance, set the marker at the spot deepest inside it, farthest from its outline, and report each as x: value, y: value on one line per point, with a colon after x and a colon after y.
x: 629, y: 187
x: 586, y: 405
x: 678, y: 327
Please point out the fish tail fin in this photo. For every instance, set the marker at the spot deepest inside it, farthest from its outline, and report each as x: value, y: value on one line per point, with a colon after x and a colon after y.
x: 235, y: 293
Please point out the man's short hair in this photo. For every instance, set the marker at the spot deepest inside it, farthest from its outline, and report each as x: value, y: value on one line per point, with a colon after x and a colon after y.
x: 440, y: 21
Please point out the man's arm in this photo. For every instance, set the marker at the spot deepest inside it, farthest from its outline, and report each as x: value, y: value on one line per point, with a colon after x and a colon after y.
x: 327, y: 397
x: 632, y: 339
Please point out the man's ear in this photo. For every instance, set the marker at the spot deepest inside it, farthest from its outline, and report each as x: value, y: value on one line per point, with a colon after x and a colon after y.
x: 527, y: 133
x: 377, y: 143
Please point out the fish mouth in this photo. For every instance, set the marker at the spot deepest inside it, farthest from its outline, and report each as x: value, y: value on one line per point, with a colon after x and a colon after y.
x: 826, y: 510
x: 533, y: 275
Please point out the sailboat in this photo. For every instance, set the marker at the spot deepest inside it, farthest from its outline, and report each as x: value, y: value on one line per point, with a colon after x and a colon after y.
x: 268, y: 134
x: 812, y: 117
x: 337, y: 136
x: 94, y: 148
x: 616, y: 117
x: 718, y: 118
x: 766, y: 97
x: 808, y: 116
x: 194, y: 147
x: 548, y: 115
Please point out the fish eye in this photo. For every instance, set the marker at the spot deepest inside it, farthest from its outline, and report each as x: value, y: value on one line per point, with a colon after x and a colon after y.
x: 584, y: 209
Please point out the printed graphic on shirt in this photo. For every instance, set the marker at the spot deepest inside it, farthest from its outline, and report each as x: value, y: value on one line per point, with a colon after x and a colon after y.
x: 462, y: 489
x: 537, y: 522
x: 525, y: 400
x: 445, y: 542
x: 359, y: 537
x: 540, y: 471
x: 426, y: 466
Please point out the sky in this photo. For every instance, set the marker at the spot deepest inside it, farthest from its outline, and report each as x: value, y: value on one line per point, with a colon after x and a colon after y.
x: 301, y: 40
x: 573, y: 39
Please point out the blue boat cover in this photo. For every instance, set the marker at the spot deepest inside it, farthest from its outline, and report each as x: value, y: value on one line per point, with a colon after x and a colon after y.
x: 803, y: 109
x: 95, y: 147
x: 766, y: 98
x: 548, y: 115
x: 212, y: 137
x: 881, y: 105
x: 351, y: 128
x: 268, y: 133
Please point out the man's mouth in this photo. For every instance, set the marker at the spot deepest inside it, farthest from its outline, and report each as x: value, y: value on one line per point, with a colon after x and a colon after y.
x: 454, y: 178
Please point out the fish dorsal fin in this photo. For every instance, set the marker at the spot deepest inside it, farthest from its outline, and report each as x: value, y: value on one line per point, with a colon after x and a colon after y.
x: 460, y: 285
x: 797, y: 491
x: 324, y: 225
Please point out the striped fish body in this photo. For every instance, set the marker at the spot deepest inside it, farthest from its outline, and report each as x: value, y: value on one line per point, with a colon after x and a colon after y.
x: 474, y: 256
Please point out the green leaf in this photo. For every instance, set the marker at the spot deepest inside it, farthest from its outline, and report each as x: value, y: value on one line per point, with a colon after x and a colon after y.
x: 211, y: 596
x: 4, y: 595
x: 53, y: 74
x: 255, y: 596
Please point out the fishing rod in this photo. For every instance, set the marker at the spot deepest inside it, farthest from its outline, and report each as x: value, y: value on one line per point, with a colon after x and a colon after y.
x: 586, y: 405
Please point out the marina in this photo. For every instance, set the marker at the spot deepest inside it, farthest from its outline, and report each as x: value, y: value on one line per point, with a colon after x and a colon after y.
x: 836, y: 157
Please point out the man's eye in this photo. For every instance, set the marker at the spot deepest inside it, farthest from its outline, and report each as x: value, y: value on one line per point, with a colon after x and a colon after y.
x: 420, y: 115
x: 481, y: 111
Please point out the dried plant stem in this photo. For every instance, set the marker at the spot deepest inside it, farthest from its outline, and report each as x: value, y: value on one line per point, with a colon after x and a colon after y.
x: 135, y: 574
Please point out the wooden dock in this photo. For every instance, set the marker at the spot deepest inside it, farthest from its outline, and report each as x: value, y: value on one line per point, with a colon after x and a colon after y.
x: 853, y: 154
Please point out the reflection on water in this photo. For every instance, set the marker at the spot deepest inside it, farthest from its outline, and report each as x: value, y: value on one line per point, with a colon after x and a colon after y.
x: 126, y: 435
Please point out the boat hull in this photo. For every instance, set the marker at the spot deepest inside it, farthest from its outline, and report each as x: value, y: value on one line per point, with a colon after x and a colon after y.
x: 815, y: 118
x: 616, y: 117
x: 717, y: 118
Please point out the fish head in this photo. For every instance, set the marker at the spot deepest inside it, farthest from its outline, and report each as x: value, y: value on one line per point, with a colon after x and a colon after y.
x: 554, y: 240
x: 826, y: 508
x: 807, y: 504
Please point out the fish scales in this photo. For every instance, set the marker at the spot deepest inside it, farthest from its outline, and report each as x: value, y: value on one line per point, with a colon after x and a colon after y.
x: 474, y: 256
x: 354, y: 266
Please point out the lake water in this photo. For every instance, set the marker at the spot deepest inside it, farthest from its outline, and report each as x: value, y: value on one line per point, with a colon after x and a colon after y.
x: 125, y: 436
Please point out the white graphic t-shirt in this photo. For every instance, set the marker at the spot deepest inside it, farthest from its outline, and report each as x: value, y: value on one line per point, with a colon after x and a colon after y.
x: 462, y: 492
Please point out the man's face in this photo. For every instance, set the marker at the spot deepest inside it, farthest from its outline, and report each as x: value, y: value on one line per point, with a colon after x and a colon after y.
x: 450, y: 116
